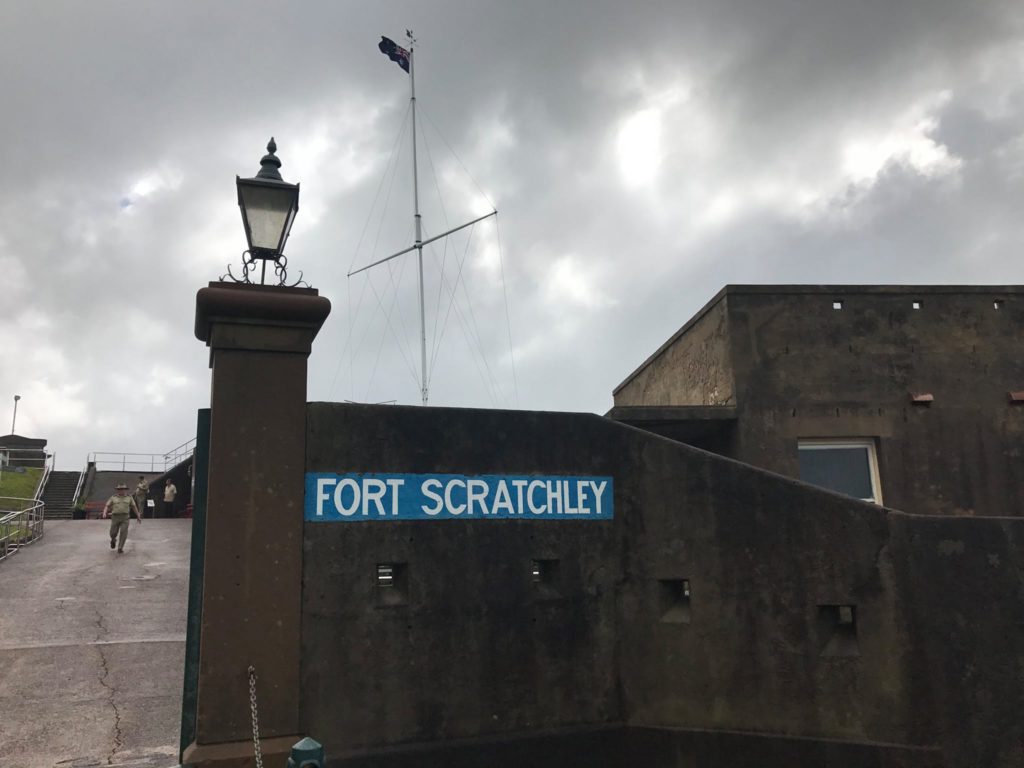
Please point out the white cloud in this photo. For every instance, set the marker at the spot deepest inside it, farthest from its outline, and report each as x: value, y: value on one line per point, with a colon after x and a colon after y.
x: 16, y: 281
x: 907, y: 140
x: 571, y: 282
x: 677, y: 149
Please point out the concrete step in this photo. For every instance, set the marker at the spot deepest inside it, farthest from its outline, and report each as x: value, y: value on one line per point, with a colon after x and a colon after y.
x: 59, y: 495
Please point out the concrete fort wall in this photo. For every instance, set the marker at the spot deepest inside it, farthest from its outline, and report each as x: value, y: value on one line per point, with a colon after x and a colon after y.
x: 723, y: 614
x: 694, y: 367
x: 806, y: 370
x: 473, y: 646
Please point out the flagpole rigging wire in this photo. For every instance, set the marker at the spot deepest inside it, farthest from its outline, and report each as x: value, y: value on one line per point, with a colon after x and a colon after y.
x: 471, y: 332
x: 444, y: 254
x: 389, y: 173
x: 406, y: 59
x: 508, y: 318
x: 501, y: 262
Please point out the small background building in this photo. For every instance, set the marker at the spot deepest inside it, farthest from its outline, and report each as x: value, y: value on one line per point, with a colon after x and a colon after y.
x: 19, y: 451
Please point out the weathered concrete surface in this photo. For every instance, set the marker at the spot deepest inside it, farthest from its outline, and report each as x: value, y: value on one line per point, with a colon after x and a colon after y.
x: 693, y: 367
x: 91, y: 646
x: 801, y: 369
x: 755, y: 671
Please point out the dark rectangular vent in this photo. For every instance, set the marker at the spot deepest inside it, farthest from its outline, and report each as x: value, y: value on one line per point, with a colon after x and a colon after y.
x: 837, y: 627
x: 674, y: 601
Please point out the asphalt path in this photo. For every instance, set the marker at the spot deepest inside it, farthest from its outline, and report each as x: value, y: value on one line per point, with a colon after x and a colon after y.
x: 92, y: 646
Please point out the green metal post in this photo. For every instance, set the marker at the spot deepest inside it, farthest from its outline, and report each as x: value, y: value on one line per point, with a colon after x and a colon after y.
x: 195, y: 581
x: 308, y: 753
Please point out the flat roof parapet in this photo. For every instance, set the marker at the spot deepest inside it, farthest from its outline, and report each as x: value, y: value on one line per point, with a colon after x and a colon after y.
x: 832, y: 291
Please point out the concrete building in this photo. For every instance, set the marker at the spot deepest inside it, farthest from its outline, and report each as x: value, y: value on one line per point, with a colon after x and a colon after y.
x: 582, y: 591
x: 911, y: 397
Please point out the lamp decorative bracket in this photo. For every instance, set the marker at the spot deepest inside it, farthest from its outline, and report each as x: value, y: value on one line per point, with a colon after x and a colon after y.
x: 249, y: 260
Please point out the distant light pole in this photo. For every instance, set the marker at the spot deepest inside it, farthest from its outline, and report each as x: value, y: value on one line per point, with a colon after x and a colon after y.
x: 268, y: 205
x: 14, y: 419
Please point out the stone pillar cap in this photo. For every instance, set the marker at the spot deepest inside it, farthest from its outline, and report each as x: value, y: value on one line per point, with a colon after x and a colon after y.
x: 270, y: 305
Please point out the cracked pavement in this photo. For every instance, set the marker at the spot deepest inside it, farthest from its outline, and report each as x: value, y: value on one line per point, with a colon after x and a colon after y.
x: 92, y: 647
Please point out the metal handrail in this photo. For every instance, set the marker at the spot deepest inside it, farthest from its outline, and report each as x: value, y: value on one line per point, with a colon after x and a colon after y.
x: 140, y: 461
x: 27, y: 456
x: 181, y: 452
x: 47, y: 469
x: 78, y: 488
x: 21, y: 527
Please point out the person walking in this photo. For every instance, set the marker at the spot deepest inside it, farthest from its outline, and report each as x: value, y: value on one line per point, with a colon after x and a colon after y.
x: 119, y: 509
x: 170, y: 491
x: 141, y: 492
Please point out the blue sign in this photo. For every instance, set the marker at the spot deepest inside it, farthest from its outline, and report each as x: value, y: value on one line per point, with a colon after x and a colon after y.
x: 365, y: 497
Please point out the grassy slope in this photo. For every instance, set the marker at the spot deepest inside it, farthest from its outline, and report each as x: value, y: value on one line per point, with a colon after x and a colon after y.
x: 20, y: 485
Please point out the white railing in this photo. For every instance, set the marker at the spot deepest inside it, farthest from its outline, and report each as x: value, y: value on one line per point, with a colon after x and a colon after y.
x: 15, y: 459
x: 177, y: 455
x: 13, y: 456
x: 41, y: 485
x: 142, y: 462
x: 20, y: 527
x: 78, y: 489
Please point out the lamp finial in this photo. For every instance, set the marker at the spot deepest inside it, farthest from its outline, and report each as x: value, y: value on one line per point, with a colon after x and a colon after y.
x: 270, y: 163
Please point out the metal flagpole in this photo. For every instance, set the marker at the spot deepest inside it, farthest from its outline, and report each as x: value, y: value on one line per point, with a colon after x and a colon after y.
x: 418, y: 245
x: 419, y: 241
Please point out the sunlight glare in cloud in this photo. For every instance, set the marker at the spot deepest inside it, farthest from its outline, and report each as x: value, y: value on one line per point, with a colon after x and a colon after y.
x: 639, y: 147
x: 151, y: 182
x: 155, y: 181
x: 567, y: 282
x: 488, y: 260
x: 908, y: 141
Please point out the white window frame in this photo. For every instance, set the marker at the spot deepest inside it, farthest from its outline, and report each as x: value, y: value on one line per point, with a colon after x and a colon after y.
x: 824, y: 444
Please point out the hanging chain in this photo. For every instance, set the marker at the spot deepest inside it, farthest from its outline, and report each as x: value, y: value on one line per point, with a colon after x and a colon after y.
x: 255, y: 717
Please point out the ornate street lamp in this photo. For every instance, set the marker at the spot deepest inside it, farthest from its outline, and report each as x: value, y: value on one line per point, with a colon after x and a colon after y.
x: 268, y: 204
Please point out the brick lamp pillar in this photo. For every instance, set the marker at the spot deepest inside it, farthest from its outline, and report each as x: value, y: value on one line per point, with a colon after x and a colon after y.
x: 260, y: 338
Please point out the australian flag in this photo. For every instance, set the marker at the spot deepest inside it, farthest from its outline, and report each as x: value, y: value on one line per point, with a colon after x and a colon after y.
x: 394, y: 52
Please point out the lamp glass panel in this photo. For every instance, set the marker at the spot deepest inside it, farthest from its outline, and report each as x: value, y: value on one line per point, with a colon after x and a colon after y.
x: 268, y: 210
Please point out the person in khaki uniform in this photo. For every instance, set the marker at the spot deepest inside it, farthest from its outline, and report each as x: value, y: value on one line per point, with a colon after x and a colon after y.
x: 141, y: 492
x: 120, y: 509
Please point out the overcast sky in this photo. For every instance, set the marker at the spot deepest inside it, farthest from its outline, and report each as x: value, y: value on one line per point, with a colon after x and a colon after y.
x: 641, y: 156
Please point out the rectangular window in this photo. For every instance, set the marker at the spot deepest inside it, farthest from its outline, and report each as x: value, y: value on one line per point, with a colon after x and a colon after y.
x: 846, y: 466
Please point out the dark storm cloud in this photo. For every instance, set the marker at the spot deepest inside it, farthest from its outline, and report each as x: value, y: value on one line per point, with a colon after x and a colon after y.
x: 641, y: 157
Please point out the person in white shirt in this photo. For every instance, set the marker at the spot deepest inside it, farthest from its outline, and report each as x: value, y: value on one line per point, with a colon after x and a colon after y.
x: 169, y: 493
